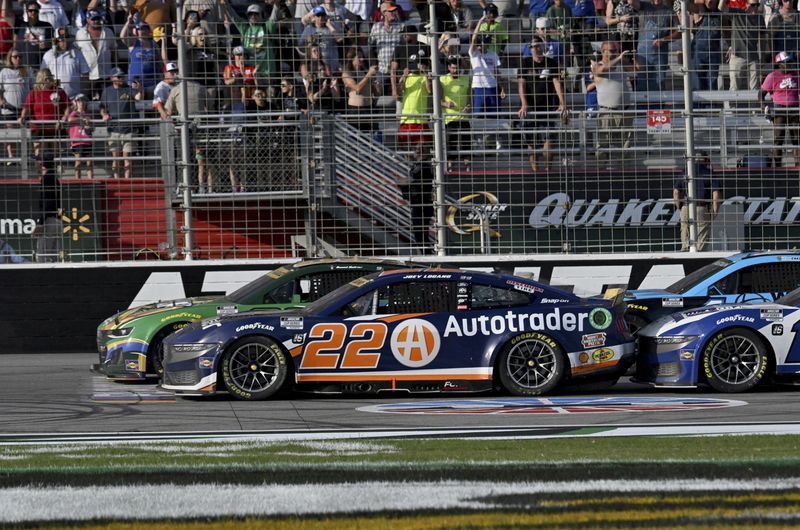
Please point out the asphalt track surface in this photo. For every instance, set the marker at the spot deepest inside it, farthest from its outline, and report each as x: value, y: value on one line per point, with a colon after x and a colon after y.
x: 57, y: 394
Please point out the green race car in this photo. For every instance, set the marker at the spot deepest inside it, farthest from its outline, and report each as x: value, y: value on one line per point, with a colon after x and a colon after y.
x: 129, y: 343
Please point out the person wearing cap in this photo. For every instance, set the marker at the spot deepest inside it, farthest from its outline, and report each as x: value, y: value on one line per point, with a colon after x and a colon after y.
x: 384, y: 38
x: 553, y: 49
x: 337, y: 15
x: 493, y: 27
x: 783, y: 84
x: 163, y: 90
x: 657, y: 28
x: 325, y: 34
x: 456, y: 105
x: 117, y: 108
x: 706, y: 197
x: 67, y: 63
x: 240, y: 78
x: 256, y: 35
x: 79, y: 120
x: 540, y: 94
x: 747, y: 43
x: 414, y: 87
x: 98, y: 44
x: 485, y: 65
x: 34, y: 37
x: 44, y: 106
x: 145, y: 57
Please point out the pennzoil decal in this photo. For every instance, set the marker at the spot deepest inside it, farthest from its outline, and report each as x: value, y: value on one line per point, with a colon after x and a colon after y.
x: 603, y: 354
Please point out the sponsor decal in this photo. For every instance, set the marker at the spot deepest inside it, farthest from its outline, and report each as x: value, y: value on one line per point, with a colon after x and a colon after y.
x: 206, y: 363
x: 223, y: 310
x: 450, y: 386
x: 583, y: 357
x: 603, y: 354
x: 772, y: 315
x: 210, y: 323
x: 593, y: 340
x: 358, y: 282
x: 277, y: 273
x: 16, y: 226
x: 471, y: 212
x: 687, y: 355
x: 600, y: 318
x: 672, y: 302
x: 700, y: 311
x: 519, y: 286
x: 462, y: 307
x: 777, y: 329
x: 554, y: 405
x: 74, y: 223
x: 255, y: 326
x: 637, y: 307
x: 292, y: 322
x: 428, y: 276
x: 554, y: 301
x: 298, y: 338
x: 734, y: 318
x: 132, y: 366
x: 415, y: 343
x: 182, y: 315
x: 515, y: 322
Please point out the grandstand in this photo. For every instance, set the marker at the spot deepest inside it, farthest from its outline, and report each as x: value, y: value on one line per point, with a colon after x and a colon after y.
x: 291, y: 143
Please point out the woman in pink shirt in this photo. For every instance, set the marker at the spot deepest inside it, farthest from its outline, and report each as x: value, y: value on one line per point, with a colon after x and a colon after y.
x: 783, y: 84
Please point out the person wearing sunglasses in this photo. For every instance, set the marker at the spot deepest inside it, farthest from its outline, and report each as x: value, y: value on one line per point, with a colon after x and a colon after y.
x: 34, y: 37
x: 16, y: 80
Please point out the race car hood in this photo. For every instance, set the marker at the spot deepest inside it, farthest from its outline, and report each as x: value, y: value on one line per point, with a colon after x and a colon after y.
x: 123, y: 317
x: 692, y: 321
x: 219, y: 329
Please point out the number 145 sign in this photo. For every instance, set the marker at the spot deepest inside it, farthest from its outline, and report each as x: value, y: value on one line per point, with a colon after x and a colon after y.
x: 659, y: 122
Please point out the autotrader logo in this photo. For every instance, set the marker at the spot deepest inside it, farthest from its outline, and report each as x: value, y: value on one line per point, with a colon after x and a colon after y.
x: 74, y: 224
x: 415, y: 342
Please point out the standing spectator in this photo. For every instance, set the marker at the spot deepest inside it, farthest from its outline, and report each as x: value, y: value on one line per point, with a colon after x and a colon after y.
x: 44, y: 105
x: 561, y: 20
x: 255, y: 35
x: 290, y: 100
x: 612, y: 83
x: 336, y: 14
x: 35, y: 37
x: 783, y: 84
x: 362, y: 87
x: 323, y: 32
x: 485, y: 64
x: 383, y: 39
x: 706, y: 194
x: 540, y: 92
x: 408, y: 47
x: 656, y: 31
x: 117, y: 108
x: 240, y: 78
x: 145, y: 56
x: 49, y: 228
x: 15, y: 83
x: 553, y: 49
x: 52, y: 12
x: 197, y: 104
x: 489, y: 25
x: 414, y: 86
x: 459, y: 21
x: 202, y: 63
x: 622, y: 17
x: 707, y: 44
x: 98, y: 44
x: 785, y: 28
x: 163, y: 89
x: 67, y: 63
x: 456, y: 105
x: 79, y: 121
x: 538, y: 8
x: 6, y: 27
x: 155, y: 13
x: 746, y: 45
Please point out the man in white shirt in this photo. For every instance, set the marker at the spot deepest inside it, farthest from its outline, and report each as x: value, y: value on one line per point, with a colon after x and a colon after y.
x: 163, y: 89
x: 98, y: 44
x: 67, y: 64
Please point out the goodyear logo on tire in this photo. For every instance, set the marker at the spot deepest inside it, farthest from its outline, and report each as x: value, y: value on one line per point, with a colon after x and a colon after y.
x: 415, y: 342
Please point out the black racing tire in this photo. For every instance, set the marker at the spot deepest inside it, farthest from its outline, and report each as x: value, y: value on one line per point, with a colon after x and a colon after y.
x: 531, y: 364
x: 635, y: 323
x: 735, y: 360
x: 155, y: 351
x: 254, y: 368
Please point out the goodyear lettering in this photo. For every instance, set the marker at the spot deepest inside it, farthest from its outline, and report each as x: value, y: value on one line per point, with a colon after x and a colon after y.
x: 637, y: 307
x: 191, y: 316
x: 515, y: 322
x: 536, y: 336
x: 255, y: 326
x: 734, y: 318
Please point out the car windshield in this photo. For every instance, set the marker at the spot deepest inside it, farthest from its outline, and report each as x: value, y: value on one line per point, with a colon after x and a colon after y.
x: 257, y: 286
x: 792, y: 298
x: 333, y: 296
x: 681, y: 286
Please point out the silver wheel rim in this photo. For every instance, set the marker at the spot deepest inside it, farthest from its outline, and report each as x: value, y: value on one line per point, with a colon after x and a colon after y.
x: 735, y: 360
x: 253, y: 367
x: 531, y: 364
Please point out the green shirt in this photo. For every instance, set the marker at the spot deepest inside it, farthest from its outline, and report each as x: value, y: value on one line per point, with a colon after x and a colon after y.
x: 457, y: 91
x: 415, y: 99
x: 256, y: 40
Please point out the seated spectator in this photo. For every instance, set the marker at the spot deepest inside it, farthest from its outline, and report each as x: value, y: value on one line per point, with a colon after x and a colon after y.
x: 163, y: 89
x: 67, y: 63
x: 323, y: 33
x: 256, y: 34
x: 34, y: 36
x: 117, y: 109
x: 239, y: 78
x: 81, y: 130
x: 145, y: 57
x: 15, y: 83
x: 44, y: 106
x: 98, y: 44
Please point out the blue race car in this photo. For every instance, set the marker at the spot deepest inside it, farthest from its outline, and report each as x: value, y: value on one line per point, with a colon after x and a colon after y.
x: 732, y: 347
x: 742, y: 278
x: 416, y: 331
